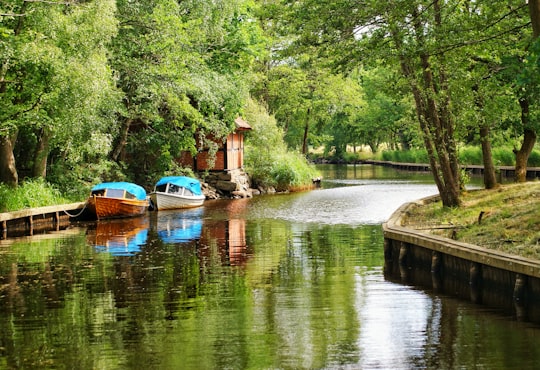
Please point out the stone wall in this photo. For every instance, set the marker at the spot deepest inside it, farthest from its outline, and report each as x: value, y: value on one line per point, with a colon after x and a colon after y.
x: 230, y: 184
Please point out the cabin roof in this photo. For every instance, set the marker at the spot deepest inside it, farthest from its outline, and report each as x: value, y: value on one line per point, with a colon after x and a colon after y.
x: 241, y: 125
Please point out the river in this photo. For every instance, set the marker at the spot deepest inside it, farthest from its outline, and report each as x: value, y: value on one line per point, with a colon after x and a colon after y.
x: 287, y: 281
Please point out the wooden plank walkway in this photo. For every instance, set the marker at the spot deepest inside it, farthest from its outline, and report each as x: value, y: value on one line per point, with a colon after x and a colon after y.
x: 28, y: 220
x: 505, y: 171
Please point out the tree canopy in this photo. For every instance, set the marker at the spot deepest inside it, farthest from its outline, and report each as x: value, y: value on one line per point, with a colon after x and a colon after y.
x: 96, y: 90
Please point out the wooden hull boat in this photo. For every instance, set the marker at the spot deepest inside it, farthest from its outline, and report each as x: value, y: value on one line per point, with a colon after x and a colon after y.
x: 176, y: 192
x: 117, y: 199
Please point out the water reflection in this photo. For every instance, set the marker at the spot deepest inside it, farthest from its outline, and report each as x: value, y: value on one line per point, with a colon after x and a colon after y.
x: 269, y: 282
x: 122, y: 237
x: 178, y: 226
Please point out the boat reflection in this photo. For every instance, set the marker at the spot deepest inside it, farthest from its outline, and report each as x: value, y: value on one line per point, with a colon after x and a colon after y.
x: 128, y: 237
x: 178, y: 226
x: 121, y: 237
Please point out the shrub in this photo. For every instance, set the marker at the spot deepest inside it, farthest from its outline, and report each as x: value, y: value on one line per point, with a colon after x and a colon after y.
x: 534, y: 159
x: 406, y: 156
x: 267, y: 159
x: 503, y: 156
x: 470, y: 155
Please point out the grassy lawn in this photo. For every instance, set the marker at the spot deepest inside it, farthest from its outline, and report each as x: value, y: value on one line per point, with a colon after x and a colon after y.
x: 506, y: 219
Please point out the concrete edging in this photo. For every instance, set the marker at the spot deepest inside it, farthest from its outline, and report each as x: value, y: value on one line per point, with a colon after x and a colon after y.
x: 394, y: 230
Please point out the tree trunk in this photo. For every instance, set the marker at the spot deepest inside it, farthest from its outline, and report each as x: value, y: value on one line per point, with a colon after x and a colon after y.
x: 39, y: 168
x: 534, y: 12
x: 8, y: 170
x: 490, y: 178
x: 529, y: 135
x: 122, y: 140
x: 306, y: 132
x: 527, y: 145
x: 522, y: 155
x: 432, y: 109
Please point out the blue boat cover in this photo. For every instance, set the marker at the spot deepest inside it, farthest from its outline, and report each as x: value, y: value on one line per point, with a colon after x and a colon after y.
x: 136, y: 190
x: 187, y: 182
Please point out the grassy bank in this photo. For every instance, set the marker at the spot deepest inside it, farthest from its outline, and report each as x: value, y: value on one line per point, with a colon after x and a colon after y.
x: 30, y: 194
x: 506, y: 219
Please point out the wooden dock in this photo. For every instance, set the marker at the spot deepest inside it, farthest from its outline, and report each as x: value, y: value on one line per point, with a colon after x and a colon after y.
x: 29, y: 221
x: 504, y: 171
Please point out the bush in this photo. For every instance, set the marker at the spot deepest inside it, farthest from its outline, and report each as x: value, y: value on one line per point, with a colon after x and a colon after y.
x: 502, y: 156
x: 471, y: 155
x: 406, y: 156
x: 534, y: 159
x: 267, y: 159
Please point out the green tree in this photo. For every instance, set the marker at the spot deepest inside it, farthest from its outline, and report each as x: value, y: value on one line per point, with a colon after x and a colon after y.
x: 56, y: 88
x: 429, y: 42
x: 380, y: 121
x: 182, y: 68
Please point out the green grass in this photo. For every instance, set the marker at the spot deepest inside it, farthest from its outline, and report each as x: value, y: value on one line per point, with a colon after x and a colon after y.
x: 510, y: 220
x: 30, y: 194
x: 468, y: 155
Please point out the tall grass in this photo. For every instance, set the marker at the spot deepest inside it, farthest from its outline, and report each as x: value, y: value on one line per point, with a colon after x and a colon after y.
x: 468, y: 155
x: 30, y: 194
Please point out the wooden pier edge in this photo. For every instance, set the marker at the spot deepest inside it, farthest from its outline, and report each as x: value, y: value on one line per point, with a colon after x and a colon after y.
x: 48, y: 218
x: 392, y: 230
x: 484, y: 276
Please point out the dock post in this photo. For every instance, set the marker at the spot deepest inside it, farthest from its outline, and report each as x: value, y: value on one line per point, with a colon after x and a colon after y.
x: 520, y: 288
x: 30, y: 223
x: 436, y: 262
x: 56, y: 221
x: 475, y: 282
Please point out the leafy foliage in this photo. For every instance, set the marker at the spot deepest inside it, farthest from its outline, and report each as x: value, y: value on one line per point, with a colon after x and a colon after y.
x: 267, y: 159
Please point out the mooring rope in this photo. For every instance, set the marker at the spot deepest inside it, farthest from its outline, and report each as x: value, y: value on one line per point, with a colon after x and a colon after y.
x: 78, y: 214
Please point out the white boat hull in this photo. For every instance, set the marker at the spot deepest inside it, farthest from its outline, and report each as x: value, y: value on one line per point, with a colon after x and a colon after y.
x: 162, y: 201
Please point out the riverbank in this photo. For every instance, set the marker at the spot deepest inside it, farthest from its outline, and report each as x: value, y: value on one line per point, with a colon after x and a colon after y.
x: 506, y: 219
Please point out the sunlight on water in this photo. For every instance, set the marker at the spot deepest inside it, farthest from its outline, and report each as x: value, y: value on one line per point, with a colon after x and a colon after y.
x: 368, y: 203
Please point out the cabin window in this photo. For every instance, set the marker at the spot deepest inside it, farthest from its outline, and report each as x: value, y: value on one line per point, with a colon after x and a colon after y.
x: 161, y: 188
x: 99, y: 193
x: 175, y: 189
x: 188, y: 192
x: 115, y: 193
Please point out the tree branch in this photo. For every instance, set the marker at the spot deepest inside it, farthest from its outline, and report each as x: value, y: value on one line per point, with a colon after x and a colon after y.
x: 51, y: 2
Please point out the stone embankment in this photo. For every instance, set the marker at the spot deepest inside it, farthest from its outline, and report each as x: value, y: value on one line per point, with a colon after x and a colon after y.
x: 485, y: 276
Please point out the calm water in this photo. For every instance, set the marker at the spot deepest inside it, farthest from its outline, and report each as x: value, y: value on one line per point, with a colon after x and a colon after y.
x: 274, y: 282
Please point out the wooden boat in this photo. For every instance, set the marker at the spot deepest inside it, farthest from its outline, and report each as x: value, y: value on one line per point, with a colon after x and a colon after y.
x: 175, y: 192
x: 117, y: 199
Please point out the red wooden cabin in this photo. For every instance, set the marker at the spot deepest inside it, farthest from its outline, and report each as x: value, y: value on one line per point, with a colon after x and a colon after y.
x: 230, y: 155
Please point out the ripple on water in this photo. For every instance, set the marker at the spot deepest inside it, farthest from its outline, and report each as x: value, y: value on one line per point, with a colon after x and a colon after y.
x: 368, y: 203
